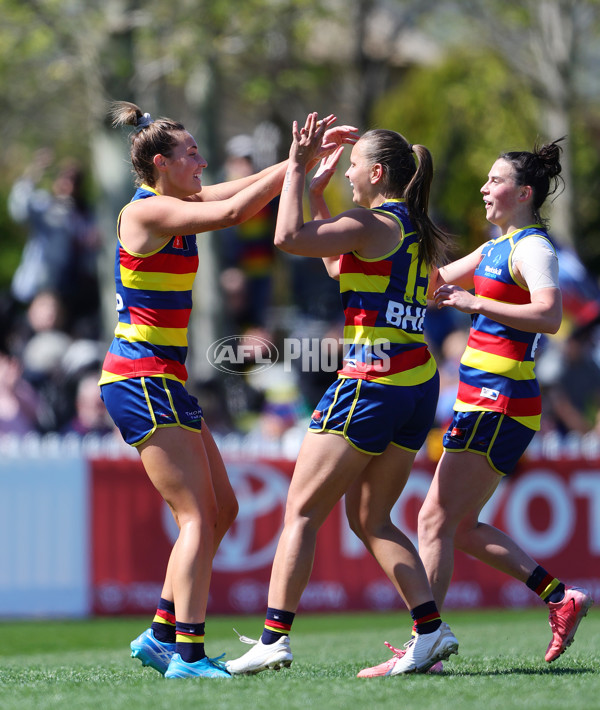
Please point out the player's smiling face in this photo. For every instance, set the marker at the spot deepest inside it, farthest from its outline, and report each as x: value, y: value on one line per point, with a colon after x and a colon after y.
x: 500, y: 194
x: 185, y: 166
x: 359, y: 176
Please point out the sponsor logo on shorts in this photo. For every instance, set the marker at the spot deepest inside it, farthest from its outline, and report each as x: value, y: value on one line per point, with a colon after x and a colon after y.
x: 317, y: 415
x: 457, y: 433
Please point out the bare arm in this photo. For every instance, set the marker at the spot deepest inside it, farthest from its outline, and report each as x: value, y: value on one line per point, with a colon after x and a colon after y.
x: 459, y: 272
x: 542, y: 315
x: 225, y: 190
x: 147, y: 224
x: 324, y: 237
x: 340, y: 135
x: 318, y: 206
x: 350, y: 231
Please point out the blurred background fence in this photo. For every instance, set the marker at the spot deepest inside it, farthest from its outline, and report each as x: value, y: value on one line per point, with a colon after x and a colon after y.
x: 84, y: 533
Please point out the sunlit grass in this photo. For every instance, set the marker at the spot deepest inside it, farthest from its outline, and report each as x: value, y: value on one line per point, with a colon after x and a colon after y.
x: 76, y: 665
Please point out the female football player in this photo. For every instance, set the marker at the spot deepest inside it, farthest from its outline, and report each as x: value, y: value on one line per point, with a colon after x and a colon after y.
x: 497, y: 411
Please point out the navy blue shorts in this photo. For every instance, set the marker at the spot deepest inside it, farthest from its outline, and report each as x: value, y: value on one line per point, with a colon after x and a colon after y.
x: 370, y: 416
x: 499, y: 438
x: 141, y: 405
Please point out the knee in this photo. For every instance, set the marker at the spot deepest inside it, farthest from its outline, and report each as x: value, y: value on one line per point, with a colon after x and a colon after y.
x: 357, y: 524
x: 204, y: 518
x: 432, y: 521
x: 367, y: 525
x: 229, y: 512
x: 300, y: 520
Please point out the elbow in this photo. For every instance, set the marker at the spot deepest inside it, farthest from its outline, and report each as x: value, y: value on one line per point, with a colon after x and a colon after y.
x: 552, y: 324
x: 555, y: 320
x: 550, y: 316
x: 553, y: 327
x: 237, y: 211
x: 284, y: 241
x: 231, y: 218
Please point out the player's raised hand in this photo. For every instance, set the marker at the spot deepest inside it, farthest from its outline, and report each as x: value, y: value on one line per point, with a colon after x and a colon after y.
x: 307, y: 142
x: 325, y: 171
x: 341, y: 135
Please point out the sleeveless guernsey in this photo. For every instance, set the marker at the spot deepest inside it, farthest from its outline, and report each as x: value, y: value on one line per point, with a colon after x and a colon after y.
x: 154, y: 301
x: 384, y: 303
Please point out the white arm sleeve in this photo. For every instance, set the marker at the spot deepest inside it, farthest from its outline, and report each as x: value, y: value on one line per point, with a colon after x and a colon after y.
x: 538, y: 263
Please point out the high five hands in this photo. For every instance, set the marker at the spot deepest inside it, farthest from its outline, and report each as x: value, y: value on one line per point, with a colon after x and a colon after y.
x: 318, y: 139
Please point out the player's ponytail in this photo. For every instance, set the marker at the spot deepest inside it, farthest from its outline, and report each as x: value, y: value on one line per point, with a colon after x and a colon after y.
x: 410, y: 180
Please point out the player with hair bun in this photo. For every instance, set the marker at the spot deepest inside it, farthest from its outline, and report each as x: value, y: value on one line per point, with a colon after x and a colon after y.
x: 144, y: 375
x: 498, y: 407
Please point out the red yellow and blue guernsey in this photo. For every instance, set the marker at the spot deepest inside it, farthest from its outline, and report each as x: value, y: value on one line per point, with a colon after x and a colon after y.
x: 497, y: 369
x: 154, y: 301
x: 384, y: 303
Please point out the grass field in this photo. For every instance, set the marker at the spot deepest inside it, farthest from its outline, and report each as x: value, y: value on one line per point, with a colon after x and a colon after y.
x: 77, y: 665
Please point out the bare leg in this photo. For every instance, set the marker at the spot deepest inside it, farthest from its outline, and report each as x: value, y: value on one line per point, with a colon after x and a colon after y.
x: 369, y: 502
x: 179, y: 466
x: 227, y: 505
x: 325, y: 468
x: 462, y: 484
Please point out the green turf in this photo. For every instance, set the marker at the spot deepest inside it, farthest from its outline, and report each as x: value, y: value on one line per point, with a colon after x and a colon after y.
x: 77, y: 665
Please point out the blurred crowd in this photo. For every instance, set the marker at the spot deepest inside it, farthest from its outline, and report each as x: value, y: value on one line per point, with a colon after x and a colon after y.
x: 52, y: 344
x: 50, y: 351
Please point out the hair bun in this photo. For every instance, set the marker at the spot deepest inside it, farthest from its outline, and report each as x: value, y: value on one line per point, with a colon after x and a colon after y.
x: 549, y: 157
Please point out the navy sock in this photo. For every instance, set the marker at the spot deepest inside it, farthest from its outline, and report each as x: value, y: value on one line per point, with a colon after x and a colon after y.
x: 190, y: 641
x: 163, y: 624
x: 547, y: 587
x: 277, y: 624
x: 426, y: 618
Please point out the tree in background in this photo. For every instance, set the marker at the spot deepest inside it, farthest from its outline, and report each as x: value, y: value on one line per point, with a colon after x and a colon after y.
x: 551, y: 46
x: 449, y: 108
x: 223, y: 67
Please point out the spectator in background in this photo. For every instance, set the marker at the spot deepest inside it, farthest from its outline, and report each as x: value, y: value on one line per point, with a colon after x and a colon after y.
x: 572, y: 394
x: 91, y: 416
x: 62, y: 245
x: 247, y: 253
x: 40, y: 341
x: 19, y: 402
x: 451, y: 351
x: 568, y: 366
x: 580, y: 291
